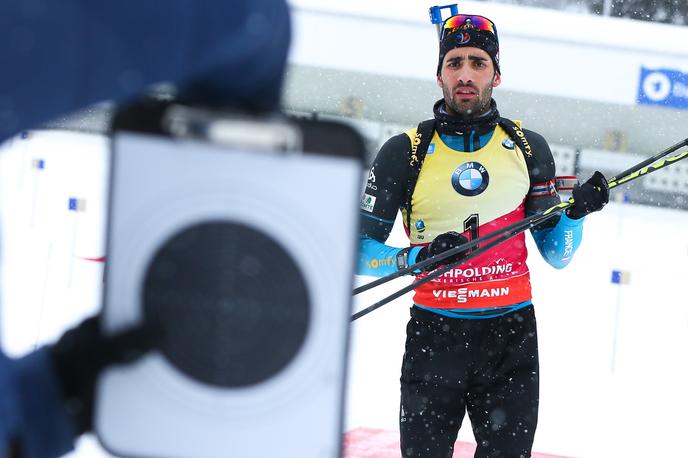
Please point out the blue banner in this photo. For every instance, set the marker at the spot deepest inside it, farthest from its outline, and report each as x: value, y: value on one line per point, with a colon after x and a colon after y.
x: 663, y: 87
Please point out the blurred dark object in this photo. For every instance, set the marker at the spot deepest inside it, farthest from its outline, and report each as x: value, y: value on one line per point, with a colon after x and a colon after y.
x: 68, y: 55
x: 84, y: 351
x: 150, y: 115
x: 144, y: 115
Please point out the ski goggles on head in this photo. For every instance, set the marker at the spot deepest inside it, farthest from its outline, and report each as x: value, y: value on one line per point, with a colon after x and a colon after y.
x: 467, y: 21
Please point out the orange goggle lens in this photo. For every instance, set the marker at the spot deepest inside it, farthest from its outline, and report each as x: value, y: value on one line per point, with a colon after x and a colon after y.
x: 468, y: 21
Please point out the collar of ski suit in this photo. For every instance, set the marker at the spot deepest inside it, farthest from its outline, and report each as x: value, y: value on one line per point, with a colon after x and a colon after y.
x: 460, y: 125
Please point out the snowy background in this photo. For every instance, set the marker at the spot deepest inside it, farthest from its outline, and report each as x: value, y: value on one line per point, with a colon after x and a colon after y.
x: 613, y: 357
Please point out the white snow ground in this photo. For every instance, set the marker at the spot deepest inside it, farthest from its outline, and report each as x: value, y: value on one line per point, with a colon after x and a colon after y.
x: 613, y: 358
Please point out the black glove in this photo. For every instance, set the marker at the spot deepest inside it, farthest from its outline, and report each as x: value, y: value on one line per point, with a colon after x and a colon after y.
x: 589, y: 197
x: 442, y: 243
x: 82, y: 352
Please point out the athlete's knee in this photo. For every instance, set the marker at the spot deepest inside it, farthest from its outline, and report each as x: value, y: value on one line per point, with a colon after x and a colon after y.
x: 413, y: 404
x: 501, y: 436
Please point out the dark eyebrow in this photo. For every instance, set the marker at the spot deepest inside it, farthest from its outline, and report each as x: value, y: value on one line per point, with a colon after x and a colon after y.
x: 459, y: 59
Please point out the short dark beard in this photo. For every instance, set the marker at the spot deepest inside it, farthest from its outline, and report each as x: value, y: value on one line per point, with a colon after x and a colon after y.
x: 482, y: 106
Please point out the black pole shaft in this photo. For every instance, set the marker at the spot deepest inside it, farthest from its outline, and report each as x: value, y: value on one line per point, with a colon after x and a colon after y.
x: 514, y: 230
x: 516, y: 227
x: 650, y: 160
x: 436, y: 273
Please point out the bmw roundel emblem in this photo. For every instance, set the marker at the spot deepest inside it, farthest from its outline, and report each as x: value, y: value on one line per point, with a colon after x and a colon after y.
x: 470, y: 179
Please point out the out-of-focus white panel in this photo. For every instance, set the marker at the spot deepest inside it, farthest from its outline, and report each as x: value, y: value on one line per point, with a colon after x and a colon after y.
x: 52, y: 218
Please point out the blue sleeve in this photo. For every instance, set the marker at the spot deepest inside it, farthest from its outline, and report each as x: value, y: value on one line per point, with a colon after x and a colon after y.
x: 558, y: 244
x: 61, y: 56
x: 384, y: 193
x: 374, y: 257
x: 378, y: 260
x: 33, y: 411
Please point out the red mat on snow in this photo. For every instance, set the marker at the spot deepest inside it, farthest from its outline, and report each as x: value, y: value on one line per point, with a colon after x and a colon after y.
x: 380, y: 443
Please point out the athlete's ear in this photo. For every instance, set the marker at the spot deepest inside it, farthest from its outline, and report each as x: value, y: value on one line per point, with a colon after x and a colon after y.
x: 497, y: 80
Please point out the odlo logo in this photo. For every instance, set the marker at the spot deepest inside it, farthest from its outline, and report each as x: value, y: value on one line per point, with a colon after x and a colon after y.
x: 371, y: 180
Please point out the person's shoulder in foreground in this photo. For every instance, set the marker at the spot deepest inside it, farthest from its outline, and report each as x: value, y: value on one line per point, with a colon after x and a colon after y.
x: 62, y: 56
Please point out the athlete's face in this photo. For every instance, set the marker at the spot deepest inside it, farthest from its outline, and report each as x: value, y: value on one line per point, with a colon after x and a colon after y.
x: 467, y: 78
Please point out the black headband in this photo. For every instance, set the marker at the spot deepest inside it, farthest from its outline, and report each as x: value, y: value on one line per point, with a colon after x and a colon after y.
x: 463, y: 38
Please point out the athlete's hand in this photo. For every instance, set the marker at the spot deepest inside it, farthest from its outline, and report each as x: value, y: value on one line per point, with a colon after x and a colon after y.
x: 589, y: 197
x: 443, y: 242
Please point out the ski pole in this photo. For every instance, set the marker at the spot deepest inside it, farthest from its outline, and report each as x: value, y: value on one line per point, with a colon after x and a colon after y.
x: 514, y: 228
x: 436, y: 273
x: 511, y: 231
x: 524, y: 224
x: 652, y: 159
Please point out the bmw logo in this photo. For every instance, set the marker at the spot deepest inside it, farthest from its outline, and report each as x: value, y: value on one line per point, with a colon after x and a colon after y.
x: 508, y: 144
x: 470, y: 179
x: 420, y: 225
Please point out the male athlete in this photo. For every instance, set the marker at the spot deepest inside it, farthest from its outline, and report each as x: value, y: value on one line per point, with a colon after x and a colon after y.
x: 471, y: 341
